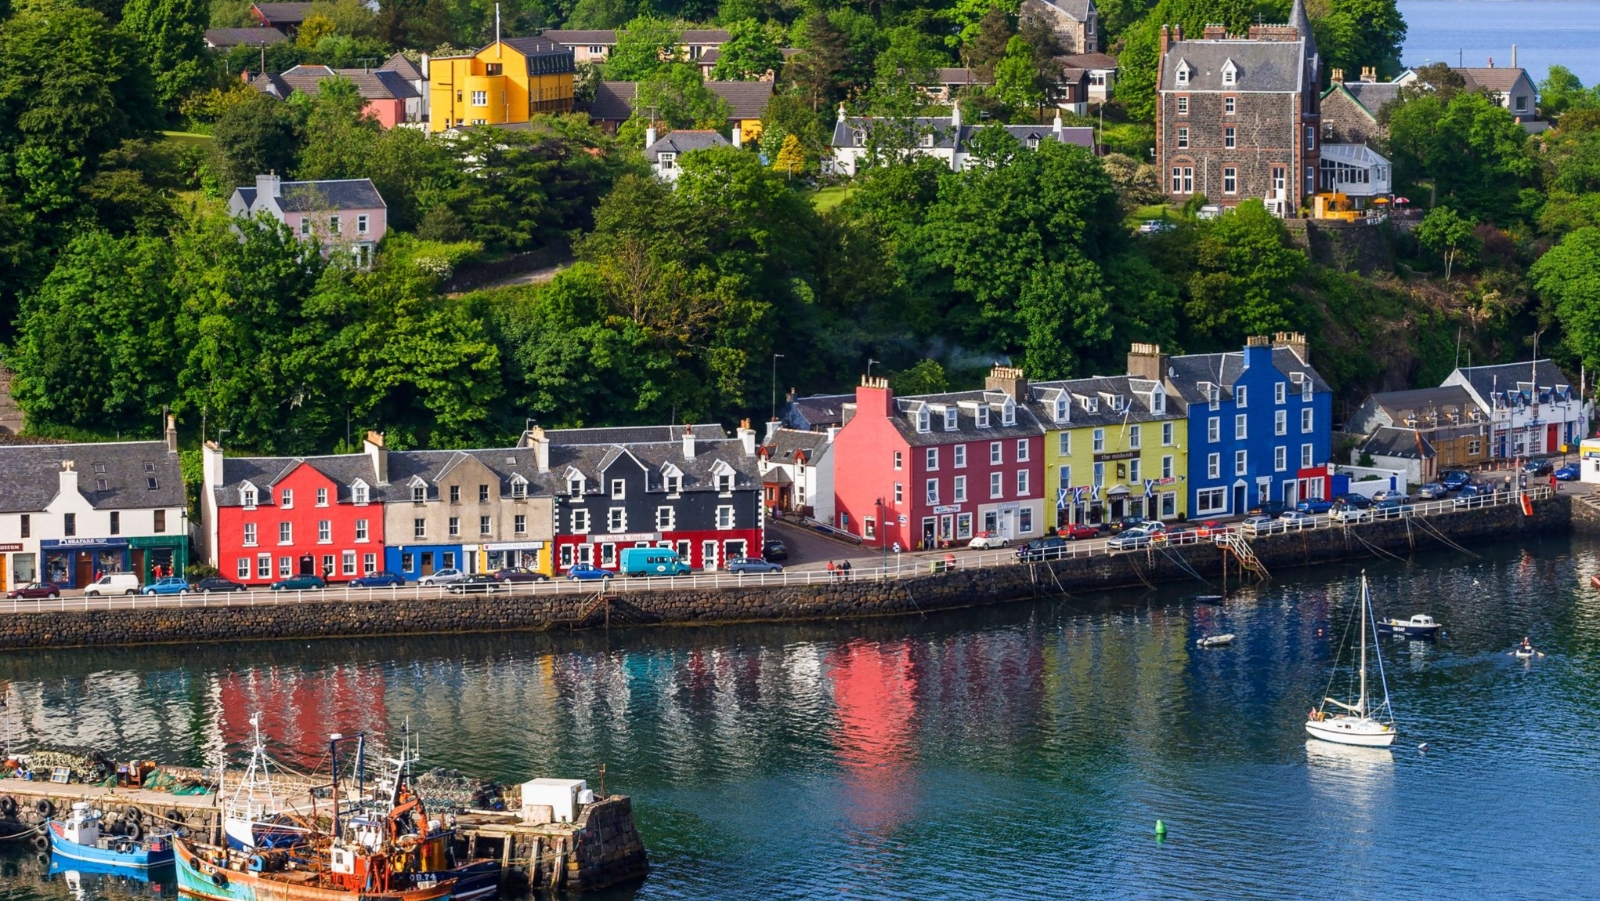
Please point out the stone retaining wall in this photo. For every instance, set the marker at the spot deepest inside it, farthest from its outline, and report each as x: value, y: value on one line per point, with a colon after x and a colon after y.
x: 962, y: 588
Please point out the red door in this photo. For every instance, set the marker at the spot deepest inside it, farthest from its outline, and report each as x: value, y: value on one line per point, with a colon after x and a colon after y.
x: 1552, y: 439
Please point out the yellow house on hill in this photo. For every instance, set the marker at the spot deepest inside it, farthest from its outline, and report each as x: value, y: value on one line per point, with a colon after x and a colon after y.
x: 505, y: 83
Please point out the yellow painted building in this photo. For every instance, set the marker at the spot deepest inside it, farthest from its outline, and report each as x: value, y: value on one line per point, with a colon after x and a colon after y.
x: 1114, y: 446
x: 507, y: 82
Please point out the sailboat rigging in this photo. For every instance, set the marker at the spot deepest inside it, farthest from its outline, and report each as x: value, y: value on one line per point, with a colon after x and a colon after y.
x: 1370, y: 724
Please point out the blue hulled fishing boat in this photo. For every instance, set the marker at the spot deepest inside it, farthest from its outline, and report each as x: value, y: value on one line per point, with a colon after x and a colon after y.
x: 79, y: 838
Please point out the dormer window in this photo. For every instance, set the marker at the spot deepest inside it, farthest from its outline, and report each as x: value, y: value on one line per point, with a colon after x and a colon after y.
x: 982, y: 416
x: 575, y: 486
x: 1063, y: 409
x: 519, y: 487
x: 949, y: 419
x: 1230, y: 73
x: 923, y: 419
x: 1091, y: 404
x: 1008, y: 412
x: 1182, y: 73
x: 674, y: 484
x: 359, y: 492
x: 419, y: 493
x: 247, y: 496
x: 725, y: 482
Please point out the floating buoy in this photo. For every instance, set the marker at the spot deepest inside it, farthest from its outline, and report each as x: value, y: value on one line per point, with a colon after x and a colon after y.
x: 1423, y: 747
x: 1161, y: 828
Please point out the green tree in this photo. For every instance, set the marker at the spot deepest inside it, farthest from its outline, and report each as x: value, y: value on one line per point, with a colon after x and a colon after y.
x: 752, y: 50
x: 313, y: 30
x: 1561, y: 90
x: 1568, y: 279
x: 1470, y: 148
x: 338, y: 137
x: 1449, y: 235
x: 987, y: 45
x: 818, y: 72
x: 253, y: 137
x: 1016, y: 78
x: 645, y: 47
x: 789, y: 114
x: 1357, y: 33
x: 791, y: 160
x: 1244, y: 270
x: 925, y: 377
x: 171, y: 36
x: 677, y: 95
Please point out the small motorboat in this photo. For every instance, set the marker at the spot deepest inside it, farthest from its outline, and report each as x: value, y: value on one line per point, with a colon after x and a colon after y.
x: 1215, y: 641
x: 1209, y: 599
x: 79, y: 838
x: 1523, y: 652
x: 1419, y: 626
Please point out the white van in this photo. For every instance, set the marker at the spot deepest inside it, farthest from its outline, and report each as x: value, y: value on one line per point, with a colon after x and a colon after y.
x: 112, y: 583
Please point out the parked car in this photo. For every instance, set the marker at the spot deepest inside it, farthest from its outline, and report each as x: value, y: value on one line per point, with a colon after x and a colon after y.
x: 1128, y: 522
x: 1396, y: 496
x: 1358, y: 501
x: 1261, y: 524
x: 442, y: 577
x: 519, y: 574
x: 378, y: 580
x: 773, y: 549
x: 216, y: 583
x: 1138, y: 536
x: 1569, y: 473
x: 988, y: 540
x: 477, y: 583
x: 34, y: 590
x: 652, y: 561
x: 1212, y: 527
x: 300, y: 583
x: 1475, y: 496
x: 1298, y: 519
x: 742, y: 565
x: 1042, y: 549
x: 1347, y: 513
x: 1391, y: 507
x: 1273, y: 509
x: 112, y: 583
x: 1537, y: 467
x: 1077, y: 530
x: 1314, y: 505
x: 1432, y: 491
x: 1455, y: 479
x: 168, y: 585
x: 1155, y: 227
x: 584, y: 572
x: 1172, y: 533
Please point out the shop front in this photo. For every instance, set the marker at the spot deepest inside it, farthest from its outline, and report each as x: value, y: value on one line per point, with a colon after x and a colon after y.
x: 413, y: 561
x: 16, y: 569
x: 75, y: 562
x: 158, y: 556
x: 512, y: 554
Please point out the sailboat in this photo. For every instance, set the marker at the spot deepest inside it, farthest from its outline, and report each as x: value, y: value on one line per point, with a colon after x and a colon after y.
x: 1361, y: 723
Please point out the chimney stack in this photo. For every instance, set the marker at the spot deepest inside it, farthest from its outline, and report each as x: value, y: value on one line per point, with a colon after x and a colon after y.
x: 1513, y: 56
x: 1146, y: 361
x: 541, y: 447
x: 738, y: 138
x: 373, y: 447
x: 172, y: 434
x: 772, y: 431
x: 873, y: 396
x: 1294, y: 341
x: 1009, y: 380
x: 688, y: 442
x: 1369, y: 74
x: 69, y: 479
x: 1215, y: 32
x: 747, y: 437
x: 649, y: 135
x: 1336, y: 75
x: 269, y: 185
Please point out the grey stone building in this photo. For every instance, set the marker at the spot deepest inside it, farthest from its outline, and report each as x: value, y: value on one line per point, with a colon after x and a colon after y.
x: 1076, y: 22
x: 1238, y: 117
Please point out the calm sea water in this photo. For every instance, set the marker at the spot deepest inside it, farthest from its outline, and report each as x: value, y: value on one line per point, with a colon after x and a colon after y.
x: 1017, y: 752
x: 1546, y: 32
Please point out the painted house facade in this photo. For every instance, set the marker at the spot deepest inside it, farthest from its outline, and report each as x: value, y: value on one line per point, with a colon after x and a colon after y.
x: 387, y: 96
x: 1533, y: 408
x: 506, y: 83
x: 69, y: 512
x: 797, y: 471
x: 943, y: 137
x: 936, y: 470
x: 1114, y: 446
x: 1423, y: 431
x: 1260, y: 422
x: 345, y: 215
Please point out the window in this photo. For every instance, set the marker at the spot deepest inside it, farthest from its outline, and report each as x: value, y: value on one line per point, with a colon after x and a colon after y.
x: 995, y: 454
x: 1166, y: 467
x: 1522, y: 103
x: 519, y: 524
x: 674, y: 485
x: 949, y: 419
x: 1474, y: 447
x: 324, y: 531
x: 981, y: 417
x: 1214, y: 466
x: 1241, y: 396
x: 996, y: 488
x: 1230, y: 105
x: 1230, y: 179
x: 361, y: 530
x: 305, y: 225
x: 419, y: 528
x: 933, y: 459
x: 1214, y: 429
x: 455, y: 527
x: 1230, y: 75
x: 243, y: 568
x: 932, y: 493
x: 899, y: 493
x: 899, y: 464
x: 1099, y: 443
x: 348, y: 563
x: 1241, y: 463
x: 419, y: 493
x: 27, y: 525
x: 1025, y: 520
x: 869, y: 528
x: 1008, y: 413
x: 1311, y: 179
x: 483, y: 494
x: 580, y: 521
x: 361, y: 224
x: 1134, y: 436
x: 1022, y: 450
x: 455, y: 494
x: 1211, y: 500
x: 359, y: 493
x: 249, y: 534
x: 1278, y: 393
x: 1158, y: 401
x: 333, y: 225
x: 1183, y: 74
x: 485, y: 525
x: 1064, y: 476
x: 1133, y: 472
x: 160, y: 521
x: 1280, y: 458
x: 667, y: 161
x: 285, y: 533
x: 1166, y: 434
x: 1182, y: 180
x: 725, y: 516
x: 1063, y: 409
x: 1183, y: 106
x: 960, y: 490
x: 924, y: 419
x: 285, y: 567
x: 264, y: 566
x: 480, y: 98
x: 1241, y: 427
x: 1305, y: 421
x: 616, y: 520
x: 961, y: 456
x: 519, y: 488
x: 619, y: 489
x: 1229, y: 140
x: 1064, y: 444
x: 116, y: 523
x: 1183, y: 139
x: 666, y: 518
x: 725, y: 483
x: 1305, y: 390
x: 1306, y: 460
x: 1022, y: 483
x: 369, y: 564
x: 1311, y: 140
x: 1280, y: 422
x: 1099, y: 474
x: 964, y: 526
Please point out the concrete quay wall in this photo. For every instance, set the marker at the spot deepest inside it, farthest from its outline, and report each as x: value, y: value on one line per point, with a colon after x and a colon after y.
x: 833, y: 600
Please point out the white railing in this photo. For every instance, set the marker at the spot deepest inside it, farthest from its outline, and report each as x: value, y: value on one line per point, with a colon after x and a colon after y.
x: 893, y: 566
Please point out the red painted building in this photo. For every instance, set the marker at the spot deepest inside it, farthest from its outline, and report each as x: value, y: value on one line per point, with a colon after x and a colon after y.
x: 927, y: 470
x: 268, y: 518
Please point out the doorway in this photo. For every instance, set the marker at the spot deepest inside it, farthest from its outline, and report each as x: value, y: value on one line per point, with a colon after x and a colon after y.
x: 138, y: 564
x: 427, y: 563
x: 82, y: 570
x: 708, y: 555
x: 927, y: 532
x: 1238, y: 499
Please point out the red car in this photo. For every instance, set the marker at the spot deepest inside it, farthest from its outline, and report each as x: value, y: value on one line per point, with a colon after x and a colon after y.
x: 1077, y: 530
x: 34, y: 590
x: 1211, y: 527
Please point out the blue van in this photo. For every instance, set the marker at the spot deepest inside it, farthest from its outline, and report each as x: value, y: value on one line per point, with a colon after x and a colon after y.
x: 652, y: 561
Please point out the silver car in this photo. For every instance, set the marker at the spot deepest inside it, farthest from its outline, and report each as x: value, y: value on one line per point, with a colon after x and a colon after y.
x: 442, y: 577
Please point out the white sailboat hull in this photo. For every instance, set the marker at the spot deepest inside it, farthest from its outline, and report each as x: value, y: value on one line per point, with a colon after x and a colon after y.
x: 1352, y: 730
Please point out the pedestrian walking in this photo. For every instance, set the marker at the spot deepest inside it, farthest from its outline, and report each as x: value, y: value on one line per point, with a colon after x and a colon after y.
x: 832, y: 572
x: 846, y: 567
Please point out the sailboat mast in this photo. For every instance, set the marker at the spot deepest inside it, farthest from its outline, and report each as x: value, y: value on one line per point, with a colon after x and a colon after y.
x: 1361, y: 702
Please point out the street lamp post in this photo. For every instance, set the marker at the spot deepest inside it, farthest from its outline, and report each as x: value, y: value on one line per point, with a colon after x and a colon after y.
x: 775, y: 359
x: 883, y: 539
x: 871, y: 361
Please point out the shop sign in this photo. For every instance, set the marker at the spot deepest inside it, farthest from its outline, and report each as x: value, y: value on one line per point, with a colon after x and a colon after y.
x: 623, y: 538
x: 1116, y: 455
x: 83, y: 542
x: 948, y: 508
x: 4, y: 548
x: 516, y: 546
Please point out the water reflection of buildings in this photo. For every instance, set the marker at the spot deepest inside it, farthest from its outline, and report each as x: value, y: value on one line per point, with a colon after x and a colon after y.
x: 875, y: 704
x: 299, y: 708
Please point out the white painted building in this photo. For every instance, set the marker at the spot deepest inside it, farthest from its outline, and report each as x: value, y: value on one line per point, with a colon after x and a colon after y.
x: 1535, y: 409
x: 797, y: 471
x: 943, y: 137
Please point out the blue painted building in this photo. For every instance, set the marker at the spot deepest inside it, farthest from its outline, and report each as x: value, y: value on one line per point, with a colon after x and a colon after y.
x: 1260, y: 422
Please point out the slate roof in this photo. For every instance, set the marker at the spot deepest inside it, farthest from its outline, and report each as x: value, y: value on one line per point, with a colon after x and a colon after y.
x: 1135, y: 393
x: 317, y: 196
x: 283, y: 13
x: 264, y: 472
x: 1372, y: 95
x: 685, y: 141
x: 1406, y: 444
x: 1078, y: 10
x: 1513, y: 381
x: 853, y: 131
x: 786, y: 443
x: 534, y: 45
x: 1399, y: 404
x: 244, y: 37
x: 815, y: 412
x: 403, y: 65
x: 1498, y: 79
x: 904, y: 418
x: 613, y: 100
x: 1185, y: 373
x: 704, y: 36
x: 1263, y: 66
x: 432, y: 466
x: 958, y: 76
x: 32, y: 475
x: 699, y: 473
x: 1089, y: 61
x: 372, y: 84
x: 573, y: 37
x: 630, y: 434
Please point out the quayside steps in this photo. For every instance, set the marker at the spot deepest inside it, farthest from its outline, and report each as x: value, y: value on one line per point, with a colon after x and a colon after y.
x: 1234, y: 543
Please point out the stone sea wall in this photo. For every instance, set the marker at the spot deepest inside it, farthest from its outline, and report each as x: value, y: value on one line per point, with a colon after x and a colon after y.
x: 860, y: 598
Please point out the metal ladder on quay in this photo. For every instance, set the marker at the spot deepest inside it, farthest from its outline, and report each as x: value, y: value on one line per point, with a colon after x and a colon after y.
x: 1234, y: 543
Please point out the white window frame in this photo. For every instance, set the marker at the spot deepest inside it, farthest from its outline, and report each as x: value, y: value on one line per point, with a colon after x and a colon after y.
x: 1241, y: 427
x: 996, y: 455
x: 1167, y: 432
x: 931, y: 491
x: 242, y: 568
x: 1307, y: 418
x: 961, y: 456
x: 1279, y: 393
x: 285, y: 533
x: 361, y: 529
x: 1135, y: 433
x: 997, y: 487
x: 616, y: 519
x: 1022, y: 483
x: 1214, y: 429
x: 960, y: 489
x: 1241, y: 462
x: 1064, y: 444
x: 324, y: 531
x: 1280, y: 422
x: 725, y: 517
x: 1022, y: 450
x: 1166, y: 466
x: 1098, y: 444
x: 1280, y: 458
x: 932, y: 459
x: 1307, y: 456
x: 580, y: 522
x: 249, y: 534
x: 1213, y: 466
x: 666, y: 518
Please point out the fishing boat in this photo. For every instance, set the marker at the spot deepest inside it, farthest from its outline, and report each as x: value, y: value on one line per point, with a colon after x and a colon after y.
x: 255, y: 817
x: 1215, y: 641
x: 1419, y: 625
x: 79, y: 838
x: 1359, y: 723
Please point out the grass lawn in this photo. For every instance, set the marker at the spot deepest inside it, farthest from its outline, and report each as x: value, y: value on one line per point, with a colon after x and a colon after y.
x: 1143, y: 214
x: 828, y: 198
x: 186, y: 137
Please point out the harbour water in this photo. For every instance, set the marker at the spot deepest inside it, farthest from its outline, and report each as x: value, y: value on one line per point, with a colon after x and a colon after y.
x: 1023, y: 751
x: 1471, y: 32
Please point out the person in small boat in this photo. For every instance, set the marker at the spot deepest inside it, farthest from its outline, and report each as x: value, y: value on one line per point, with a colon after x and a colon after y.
x: 1527, y: 646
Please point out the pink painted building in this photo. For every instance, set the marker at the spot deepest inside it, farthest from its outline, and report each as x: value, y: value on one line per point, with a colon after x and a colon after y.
x: 387, y: 93
x: 936, y: 470
x: 346, y: 215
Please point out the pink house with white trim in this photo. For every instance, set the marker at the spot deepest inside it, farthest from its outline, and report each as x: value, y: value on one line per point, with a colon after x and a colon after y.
x: 345, y: 214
